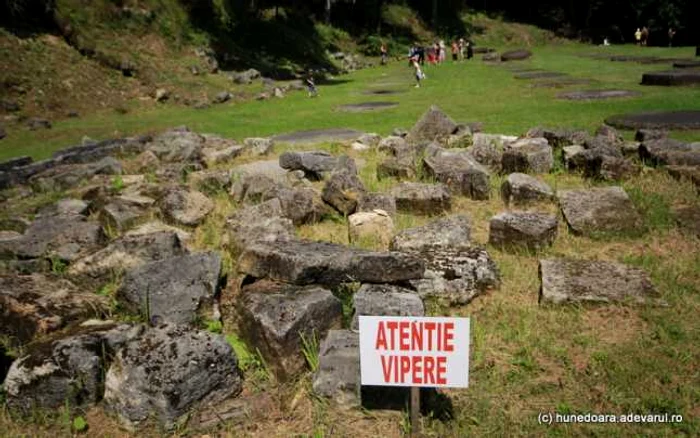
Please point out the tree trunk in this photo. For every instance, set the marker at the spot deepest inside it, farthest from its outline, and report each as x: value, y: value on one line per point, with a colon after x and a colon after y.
x: 435, y: 13
x: 327, y: 15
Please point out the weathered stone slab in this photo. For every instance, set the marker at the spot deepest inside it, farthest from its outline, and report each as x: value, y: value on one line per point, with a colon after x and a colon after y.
x: 157, y: 226
x: 683, y: 119
x: 518, y: 229
x: 274, y: 317
x: 520, y: 188
x: 65, y: 207
x: 178, y: 145
x: 65, y: 371
x: 456, y: 271
x: 313, y: 163
x: 63, y: 237
x: 385, y: 300
x: 670, y: 152
x: 259, y: 223
x: 688, y: 218
x: 301, y: 205
x: 125, y: 211
x: 448, y: 232
x: 34, y: 305
x: 589, y: 281
x: 434, y: 125
x: 338, y: 375
x: 528, y: 155
x: 186, y: 207
x: 305, y: 262
x: 459, y: 171
x: 66, y: 176
x: 402, y: 167
x: 487, y: 149
x: 419, y: 198
x: 176, y: 289
x: 343, y: 188
x: 516, y: 55
x: 606, y: 209
x: 672, y: 77
x: 125, y: 253
x: 456, y: 275
x: 167, y: 372
x: 375, y: 226
x: 370, y: 201
x: 691, y: 173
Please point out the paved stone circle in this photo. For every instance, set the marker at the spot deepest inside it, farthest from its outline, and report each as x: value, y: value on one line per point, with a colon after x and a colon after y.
x: 367, y: 106
x: 318, y: 136
x: 597, y: 94
x: 686, y: 119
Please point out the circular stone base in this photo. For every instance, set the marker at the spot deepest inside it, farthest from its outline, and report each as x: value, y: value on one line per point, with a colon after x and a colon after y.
x: 672, y: 77
x: 366, y: 106
x: 516, y: 55
x: 318, y: 136
x: 689, y: 119
x: 686, y: 64
x: 538, y: 75
x: 561, y: 83
x: 382, y: 92
x: 597, y: 94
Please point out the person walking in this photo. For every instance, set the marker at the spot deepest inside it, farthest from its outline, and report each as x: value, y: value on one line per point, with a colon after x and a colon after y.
x: 418, y: 72
x: 645, y: 36
x: 442, y: 51
x: 470, y: 50
x: 311, y: 85
x: 671, y: 34
x: 461, y: 49
x: 383, y: 51
x: 455, y: 51
x: 638, y: 36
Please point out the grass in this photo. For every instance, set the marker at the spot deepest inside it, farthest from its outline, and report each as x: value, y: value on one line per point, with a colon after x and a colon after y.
x: 471, y: 91
x: 525, y: 358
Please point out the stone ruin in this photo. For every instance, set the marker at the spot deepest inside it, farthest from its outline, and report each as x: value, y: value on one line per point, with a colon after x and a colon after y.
x: 129, y: 219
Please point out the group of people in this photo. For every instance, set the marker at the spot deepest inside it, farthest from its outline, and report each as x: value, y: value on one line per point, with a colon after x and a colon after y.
x: 436, y: 54
x: 641, y: 36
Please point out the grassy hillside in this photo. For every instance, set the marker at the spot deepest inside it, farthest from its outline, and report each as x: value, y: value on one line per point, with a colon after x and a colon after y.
x: 471, y: 91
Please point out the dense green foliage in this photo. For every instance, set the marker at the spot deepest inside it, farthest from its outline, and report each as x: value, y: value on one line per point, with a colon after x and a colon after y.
x: 597, y: 19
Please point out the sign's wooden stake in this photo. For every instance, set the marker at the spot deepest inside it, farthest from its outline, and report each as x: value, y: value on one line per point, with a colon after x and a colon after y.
x: 415, y: 412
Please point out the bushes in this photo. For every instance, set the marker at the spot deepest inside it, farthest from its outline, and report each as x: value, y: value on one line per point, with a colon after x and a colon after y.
x: 334, y: 39
x: 404, y: 22
x: 371, y: 44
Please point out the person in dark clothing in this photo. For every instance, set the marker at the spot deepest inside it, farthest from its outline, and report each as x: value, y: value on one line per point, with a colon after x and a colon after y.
x: 311, y: 85
x: 470, y: 50
x: 421, y: 55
